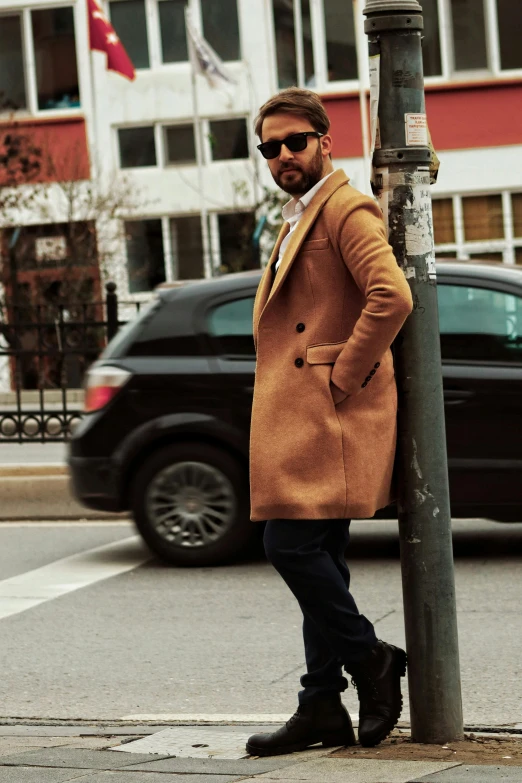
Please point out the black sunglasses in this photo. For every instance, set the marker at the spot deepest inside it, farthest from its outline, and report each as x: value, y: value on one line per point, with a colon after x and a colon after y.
x: 295, y: 143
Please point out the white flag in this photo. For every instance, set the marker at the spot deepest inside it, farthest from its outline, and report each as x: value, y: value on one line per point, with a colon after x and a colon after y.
x: 205, y: 60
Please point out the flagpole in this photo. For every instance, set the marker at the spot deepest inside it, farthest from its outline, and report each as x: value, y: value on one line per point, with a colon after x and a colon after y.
x: 205, y: 237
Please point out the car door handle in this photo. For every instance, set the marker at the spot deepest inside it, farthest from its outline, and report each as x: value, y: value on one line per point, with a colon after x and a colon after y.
x: 457, y: 396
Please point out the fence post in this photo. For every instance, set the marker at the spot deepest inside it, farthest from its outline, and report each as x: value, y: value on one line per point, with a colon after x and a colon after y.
x: 111, y: 303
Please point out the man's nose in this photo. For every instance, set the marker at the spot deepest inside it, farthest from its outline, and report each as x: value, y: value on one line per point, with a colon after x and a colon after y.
x: 285, y: 154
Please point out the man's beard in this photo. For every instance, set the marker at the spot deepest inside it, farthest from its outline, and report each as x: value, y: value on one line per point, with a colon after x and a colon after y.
x: 304, y: 179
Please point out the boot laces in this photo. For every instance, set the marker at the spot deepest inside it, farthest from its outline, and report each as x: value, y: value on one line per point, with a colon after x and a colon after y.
x: 365, y: 687
x: 294, y: 718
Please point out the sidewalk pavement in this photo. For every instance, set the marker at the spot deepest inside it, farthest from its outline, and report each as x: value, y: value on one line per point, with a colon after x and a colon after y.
x: 206, y: 754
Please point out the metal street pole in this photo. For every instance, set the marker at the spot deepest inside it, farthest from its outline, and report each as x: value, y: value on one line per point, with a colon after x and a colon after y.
x: 402, y: 180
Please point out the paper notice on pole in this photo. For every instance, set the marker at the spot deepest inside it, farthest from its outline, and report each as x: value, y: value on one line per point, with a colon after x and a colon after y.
x: 416, y: 130
x: 375, y: 61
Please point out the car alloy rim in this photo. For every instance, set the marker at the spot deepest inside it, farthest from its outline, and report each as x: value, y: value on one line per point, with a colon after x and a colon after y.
x: 190, y: 504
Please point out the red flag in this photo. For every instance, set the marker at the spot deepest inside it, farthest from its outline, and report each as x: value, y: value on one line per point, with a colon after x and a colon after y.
x: 103, y: 38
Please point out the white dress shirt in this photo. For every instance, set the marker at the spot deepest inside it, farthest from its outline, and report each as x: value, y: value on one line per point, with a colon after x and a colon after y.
x: 293, y: 211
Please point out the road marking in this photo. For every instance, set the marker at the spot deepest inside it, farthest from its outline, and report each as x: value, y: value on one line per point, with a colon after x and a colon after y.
x: 25, y: 591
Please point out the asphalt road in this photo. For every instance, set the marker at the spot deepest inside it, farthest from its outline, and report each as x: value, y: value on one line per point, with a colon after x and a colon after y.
x: 113, y: 633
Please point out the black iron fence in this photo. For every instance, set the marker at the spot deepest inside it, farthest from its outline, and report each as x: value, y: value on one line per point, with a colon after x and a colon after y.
x: 45, y: 351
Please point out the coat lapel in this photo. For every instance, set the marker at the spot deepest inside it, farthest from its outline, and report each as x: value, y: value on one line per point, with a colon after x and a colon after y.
x: 333, y: 182
x: 265, y: 283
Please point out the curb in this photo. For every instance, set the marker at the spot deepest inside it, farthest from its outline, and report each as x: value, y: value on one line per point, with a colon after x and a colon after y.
x: 41, y: 491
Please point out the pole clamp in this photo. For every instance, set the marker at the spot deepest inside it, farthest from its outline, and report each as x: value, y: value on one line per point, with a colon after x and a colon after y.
x: 382, y: 24
x: 385, y: 157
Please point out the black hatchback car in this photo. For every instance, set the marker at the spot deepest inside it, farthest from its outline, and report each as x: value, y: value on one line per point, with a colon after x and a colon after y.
x: 168, y: 407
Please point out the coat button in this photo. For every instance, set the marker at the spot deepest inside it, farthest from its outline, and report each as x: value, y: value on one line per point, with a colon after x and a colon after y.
x: 364, y: 384
x: 368, y: 378
x: 372, y: 372
x: 377, y: 365
x: 300, y: 327
x: 299, y: 362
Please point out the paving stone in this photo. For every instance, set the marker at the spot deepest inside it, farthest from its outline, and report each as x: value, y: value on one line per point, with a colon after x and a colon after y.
x: 216, y: 766
x: 25, y: 775
x: 327, y: 770
x: 11, y: 745
x: 75, y: 758
x: 153, y: 777
x: 472, y: 773
x: 192, y: 742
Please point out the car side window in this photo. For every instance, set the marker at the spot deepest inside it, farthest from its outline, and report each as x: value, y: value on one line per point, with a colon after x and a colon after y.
x: 230, y: 323
x: 479, y: 324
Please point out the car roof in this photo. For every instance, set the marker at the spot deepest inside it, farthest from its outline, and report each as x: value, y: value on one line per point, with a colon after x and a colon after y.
x: 495, y: 271
x: 237, y: 281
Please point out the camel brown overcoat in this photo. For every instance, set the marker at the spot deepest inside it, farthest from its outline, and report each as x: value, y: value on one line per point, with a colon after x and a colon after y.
x: 317, y: 450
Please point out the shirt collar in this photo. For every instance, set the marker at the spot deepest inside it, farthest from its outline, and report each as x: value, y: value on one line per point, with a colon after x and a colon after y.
x: 294, y: 208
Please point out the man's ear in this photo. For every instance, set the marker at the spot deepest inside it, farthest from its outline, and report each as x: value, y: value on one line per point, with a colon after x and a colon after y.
x: 326, y: 144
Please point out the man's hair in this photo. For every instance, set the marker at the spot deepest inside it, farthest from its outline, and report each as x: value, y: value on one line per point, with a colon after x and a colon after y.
x: 295, y: 100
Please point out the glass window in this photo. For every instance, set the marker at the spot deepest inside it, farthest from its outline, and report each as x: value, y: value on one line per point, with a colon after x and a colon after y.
x: 308, y: 50
x: 431, y: 38
x: 516, y: 202
x: 181, y: 144
x: 129, y: 19
x: 137, y: 147
x: 469, y: 35
x: 221, y: 27
x: 231, y: 323
x: 339, y: 26
x: 483, y: 218
x: 145, y: 257
x: 174, y: 47
x: 509, y: 33
x: 187, y: 247
x: 235, y: 240
x: 485, y: 256
x: 443, y: 223
x: 12, y: 73
x: 479, y: 324
x: 283, y: 12
x: 55, y: 58
x: 518, y: 255
x: 228, y: 139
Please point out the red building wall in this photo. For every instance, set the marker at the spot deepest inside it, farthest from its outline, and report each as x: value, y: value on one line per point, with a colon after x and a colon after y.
x: 459, y: 116
x: 59, y: 147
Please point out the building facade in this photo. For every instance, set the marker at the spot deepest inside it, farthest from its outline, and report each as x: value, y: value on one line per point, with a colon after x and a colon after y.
x: 119, y: 159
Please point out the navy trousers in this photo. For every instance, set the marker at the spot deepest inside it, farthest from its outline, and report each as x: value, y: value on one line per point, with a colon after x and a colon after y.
x: 309, y: 555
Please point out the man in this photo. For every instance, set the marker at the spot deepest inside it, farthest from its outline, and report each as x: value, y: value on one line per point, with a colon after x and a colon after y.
x: 328, y: 307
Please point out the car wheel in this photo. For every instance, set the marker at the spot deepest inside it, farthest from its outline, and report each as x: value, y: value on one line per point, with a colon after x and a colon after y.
x: 190, y: 503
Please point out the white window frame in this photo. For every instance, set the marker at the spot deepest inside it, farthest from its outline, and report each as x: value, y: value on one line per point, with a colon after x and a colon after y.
x: 322, y: 84
x: 464, y: 250
x: 161, y: 145
x: 207, y: 147
x: 30, y: 78
x: 160, y: 142
x: 493, y: 71
x: 171, y: 273
x: 154, y: 34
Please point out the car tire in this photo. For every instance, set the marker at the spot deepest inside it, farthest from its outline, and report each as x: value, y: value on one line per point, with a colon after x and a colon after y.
x: 190, y: 503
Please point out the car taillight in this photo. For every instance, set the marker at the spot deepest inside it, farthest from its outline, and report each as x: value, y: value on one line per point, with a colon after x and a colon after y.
x: 102, y: 385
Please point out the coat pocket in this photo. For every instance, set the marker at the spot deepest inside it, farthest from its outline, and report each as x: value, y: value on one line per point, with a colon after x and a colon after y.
x: 326, y: 353
x: 315, y: 244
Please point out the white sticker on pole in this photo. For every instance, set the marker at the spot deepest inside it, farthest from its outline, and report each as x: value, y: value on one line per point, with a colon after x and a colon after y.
x: 416, y: 130
x: 375, y: 64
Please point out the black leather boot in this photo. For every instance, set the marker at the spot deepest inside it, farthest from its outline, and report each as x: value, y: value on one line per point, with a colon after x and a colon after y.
x: 325, y: 720
x: 378, y: 683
